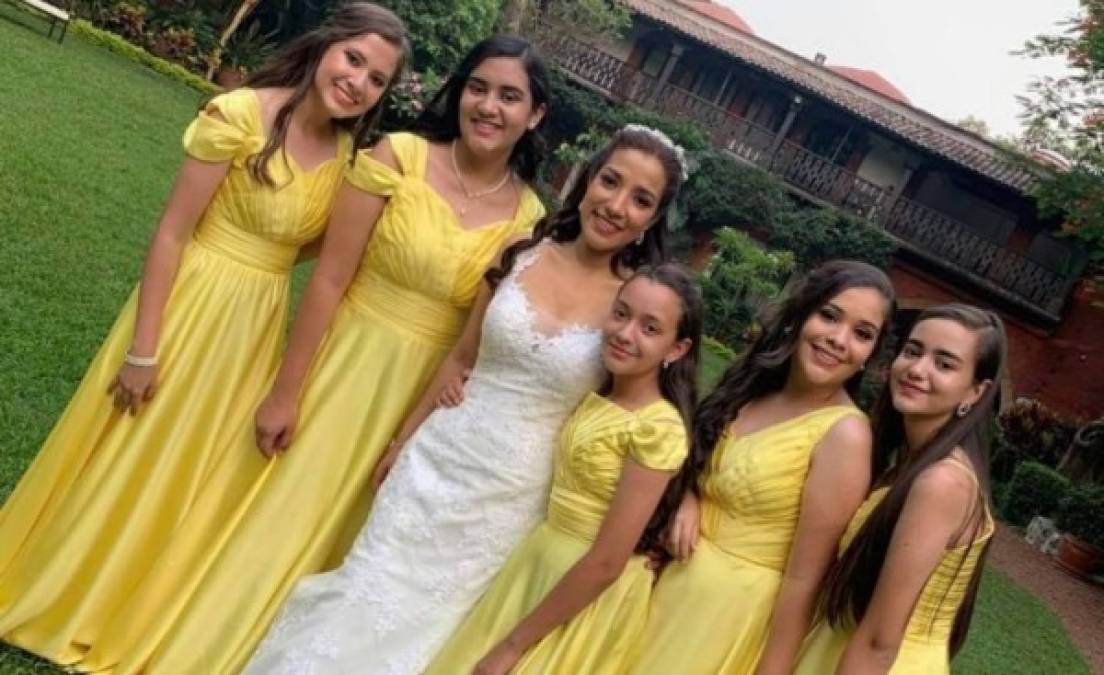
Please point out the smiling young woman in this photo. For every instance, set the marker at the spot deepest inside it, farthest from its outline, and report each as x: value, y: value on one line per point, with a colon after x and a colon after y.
x: 784, y: 460
x: 192, y: 350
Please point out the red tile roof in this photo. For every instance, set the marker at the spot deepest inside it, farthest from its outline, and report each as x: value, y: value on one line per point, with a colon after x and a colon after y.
x: 890, y: 114
x: 872, y: 80
x: 720, y: 13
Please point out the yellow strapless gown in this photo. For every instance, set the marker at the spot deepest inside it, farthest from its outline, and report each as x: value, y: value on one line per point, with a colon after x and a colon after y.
x: 595, y: 442
x: 711, y: 614
x: 925, y: 650
x: 241, y: 551
x: 99, y: 505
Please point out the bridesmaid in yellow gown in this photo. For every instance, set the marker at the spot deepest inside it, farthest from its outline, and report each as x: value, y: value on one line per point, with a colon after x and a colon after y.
x: 573, y: 597
x: 197, y: 342
x: 900, y: 598
x: 785, y: 455
x: 413, y: 229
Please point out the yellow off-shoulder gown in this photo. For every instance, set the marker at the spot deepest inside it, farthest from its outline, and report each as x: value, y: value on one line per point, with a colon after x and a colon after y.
x: 101, y: 501
x: 241, y: 551
x: 711, y: 614
x: 595, y: 443
x: 926, y: 646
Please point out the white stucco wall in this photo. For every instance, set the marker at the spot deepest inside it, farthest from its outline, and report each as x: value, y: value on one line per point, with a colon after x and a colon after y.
x: 885, y: 164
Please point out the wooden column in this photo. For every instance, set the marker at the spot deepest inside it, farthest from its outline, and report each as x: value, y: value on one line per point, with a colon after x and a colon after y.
x: 724, y: 85
x: 677, y: 51
x: 795, y: 106
x: 895, y: 194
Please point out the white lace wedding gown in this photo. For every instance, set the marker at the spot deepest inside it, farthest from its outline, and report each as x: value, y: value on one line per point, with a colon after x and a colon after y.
x: 467, y: 488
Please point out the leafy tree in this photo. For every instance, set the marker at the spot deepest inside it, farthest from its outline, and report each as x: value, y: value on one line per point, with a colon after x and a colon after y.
x: 739, y: 279
x: 1065, y: 114
x: 442, y: 31
x: 817, y: 235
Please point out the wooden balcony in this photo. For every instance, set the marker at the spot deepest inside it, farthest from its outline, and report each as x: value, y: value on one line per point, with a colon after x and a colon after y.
x: 941, y: 241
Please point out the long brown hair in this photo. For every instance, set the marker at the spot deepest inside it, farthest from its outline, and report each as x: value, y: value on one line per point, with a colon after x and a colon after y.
x: 763, y: 368
x: 678, y: 383
x: 849, y: 586
x: 295, y: 67
x: 565, y: 224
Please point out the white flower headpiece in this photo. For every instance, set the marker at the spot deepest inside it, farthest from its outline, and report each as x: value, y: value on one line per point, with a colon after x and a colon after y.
x: 665, y: 140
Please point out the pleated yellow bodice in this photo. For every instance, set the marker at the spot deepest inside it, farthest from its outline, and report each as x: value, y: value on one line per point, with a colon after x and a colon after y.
x: 751, y: 491
x: 594, y: 445
x: 259, y: 226
x: 421, y: 270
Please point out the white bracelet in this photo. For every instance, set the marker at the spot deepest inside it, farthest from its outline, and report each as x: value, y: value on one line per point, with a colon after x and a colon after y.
x: 140, y: 361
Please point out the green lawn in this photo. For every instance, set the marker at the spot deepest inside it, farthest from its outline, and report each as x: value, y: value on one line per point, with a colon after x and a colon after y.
x: 88, y: 146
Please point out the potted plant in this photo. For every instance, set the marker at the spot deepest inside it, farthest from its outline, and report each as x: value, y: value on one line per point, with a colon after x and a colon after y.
x: 245, y: 51
x: 1081, y: 517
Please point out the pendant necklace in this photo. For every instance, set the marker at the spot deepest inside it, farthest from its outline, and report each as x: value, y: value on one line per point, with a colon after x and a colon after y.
x: 469, y: 196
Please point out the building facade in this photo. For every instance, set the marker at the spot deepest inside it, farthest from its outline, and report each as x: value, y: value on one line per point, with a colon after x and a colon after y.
x: 844, y: 137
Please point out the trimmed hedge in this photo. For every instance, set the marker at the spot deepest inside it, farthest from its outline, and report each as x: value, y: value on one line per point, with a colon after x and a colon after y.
x: 1035, y: 490
x: 1081, y: 514
x: 120, y: 46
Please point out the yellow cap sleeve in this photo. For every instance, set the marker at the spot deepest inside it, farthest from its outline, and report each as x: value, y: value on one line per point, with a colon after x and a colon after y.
x: 371, y: 175
x: 228, y: 129
x: 529, y: 212
x: 659, y: 443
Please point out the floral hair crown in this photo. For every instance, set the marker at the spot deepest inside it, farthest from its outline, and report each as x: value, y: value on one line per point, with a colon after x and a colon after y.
x: 665, y: 141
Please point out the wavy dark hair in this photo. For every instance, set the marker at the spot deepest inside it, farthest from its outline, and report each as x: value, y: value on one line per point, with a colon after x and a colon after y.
x: 678, y: 382
x: 440, y: 121
x: 295, y: 67
x: 565, y: 225
x: 850, y: 583
x: 764, y: 367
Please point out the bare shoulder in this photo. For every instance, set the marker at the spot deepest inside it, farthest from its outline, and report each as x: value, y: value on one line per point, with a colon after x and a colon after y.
x: 852, y: 428
x: 848, y: 437
x: 946, y: 485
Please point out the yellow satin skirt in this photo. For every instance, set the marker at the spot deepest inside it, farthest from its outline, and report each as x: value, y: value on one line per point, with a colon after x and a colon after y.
x: 208, y: 603
x: 600, y: 640
x: 99, y: 506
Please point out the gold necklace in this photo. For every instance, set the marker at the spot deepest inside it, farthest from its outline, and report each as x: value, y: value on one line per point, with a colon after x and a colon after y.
x: 469, y: 196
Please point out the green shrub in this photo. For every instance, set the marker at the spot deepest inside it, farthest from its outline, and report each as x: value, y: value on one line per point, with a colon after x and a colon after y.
x: 1029, y: 431
x: 120, y: 46
x: 1035, y: 490
x: 1081, y: 514
x: 817, y: 235
x: 1000, y: 496
x: 723, y: 192
x: 739, y: 279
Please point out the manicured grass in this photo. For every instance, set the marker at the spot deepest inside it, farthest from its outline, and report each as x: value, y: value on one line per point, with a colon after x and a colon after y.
x: 1013, y: 633
x: 88, y: 148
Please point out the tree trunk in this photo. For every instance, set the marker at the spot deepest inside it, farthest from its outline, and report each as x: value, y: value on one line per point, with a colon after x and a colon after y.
x: 244, y: 10
x: 512, y: 15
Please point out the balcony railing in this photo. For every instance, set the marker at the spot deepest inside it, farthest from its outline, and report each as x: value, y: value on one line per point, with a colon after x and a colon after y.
x: 925, y: 231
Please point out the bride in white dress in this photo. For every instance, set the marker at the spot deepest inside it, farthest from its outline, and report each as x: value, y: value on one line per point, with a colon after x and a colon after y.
x: 473, y: 479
